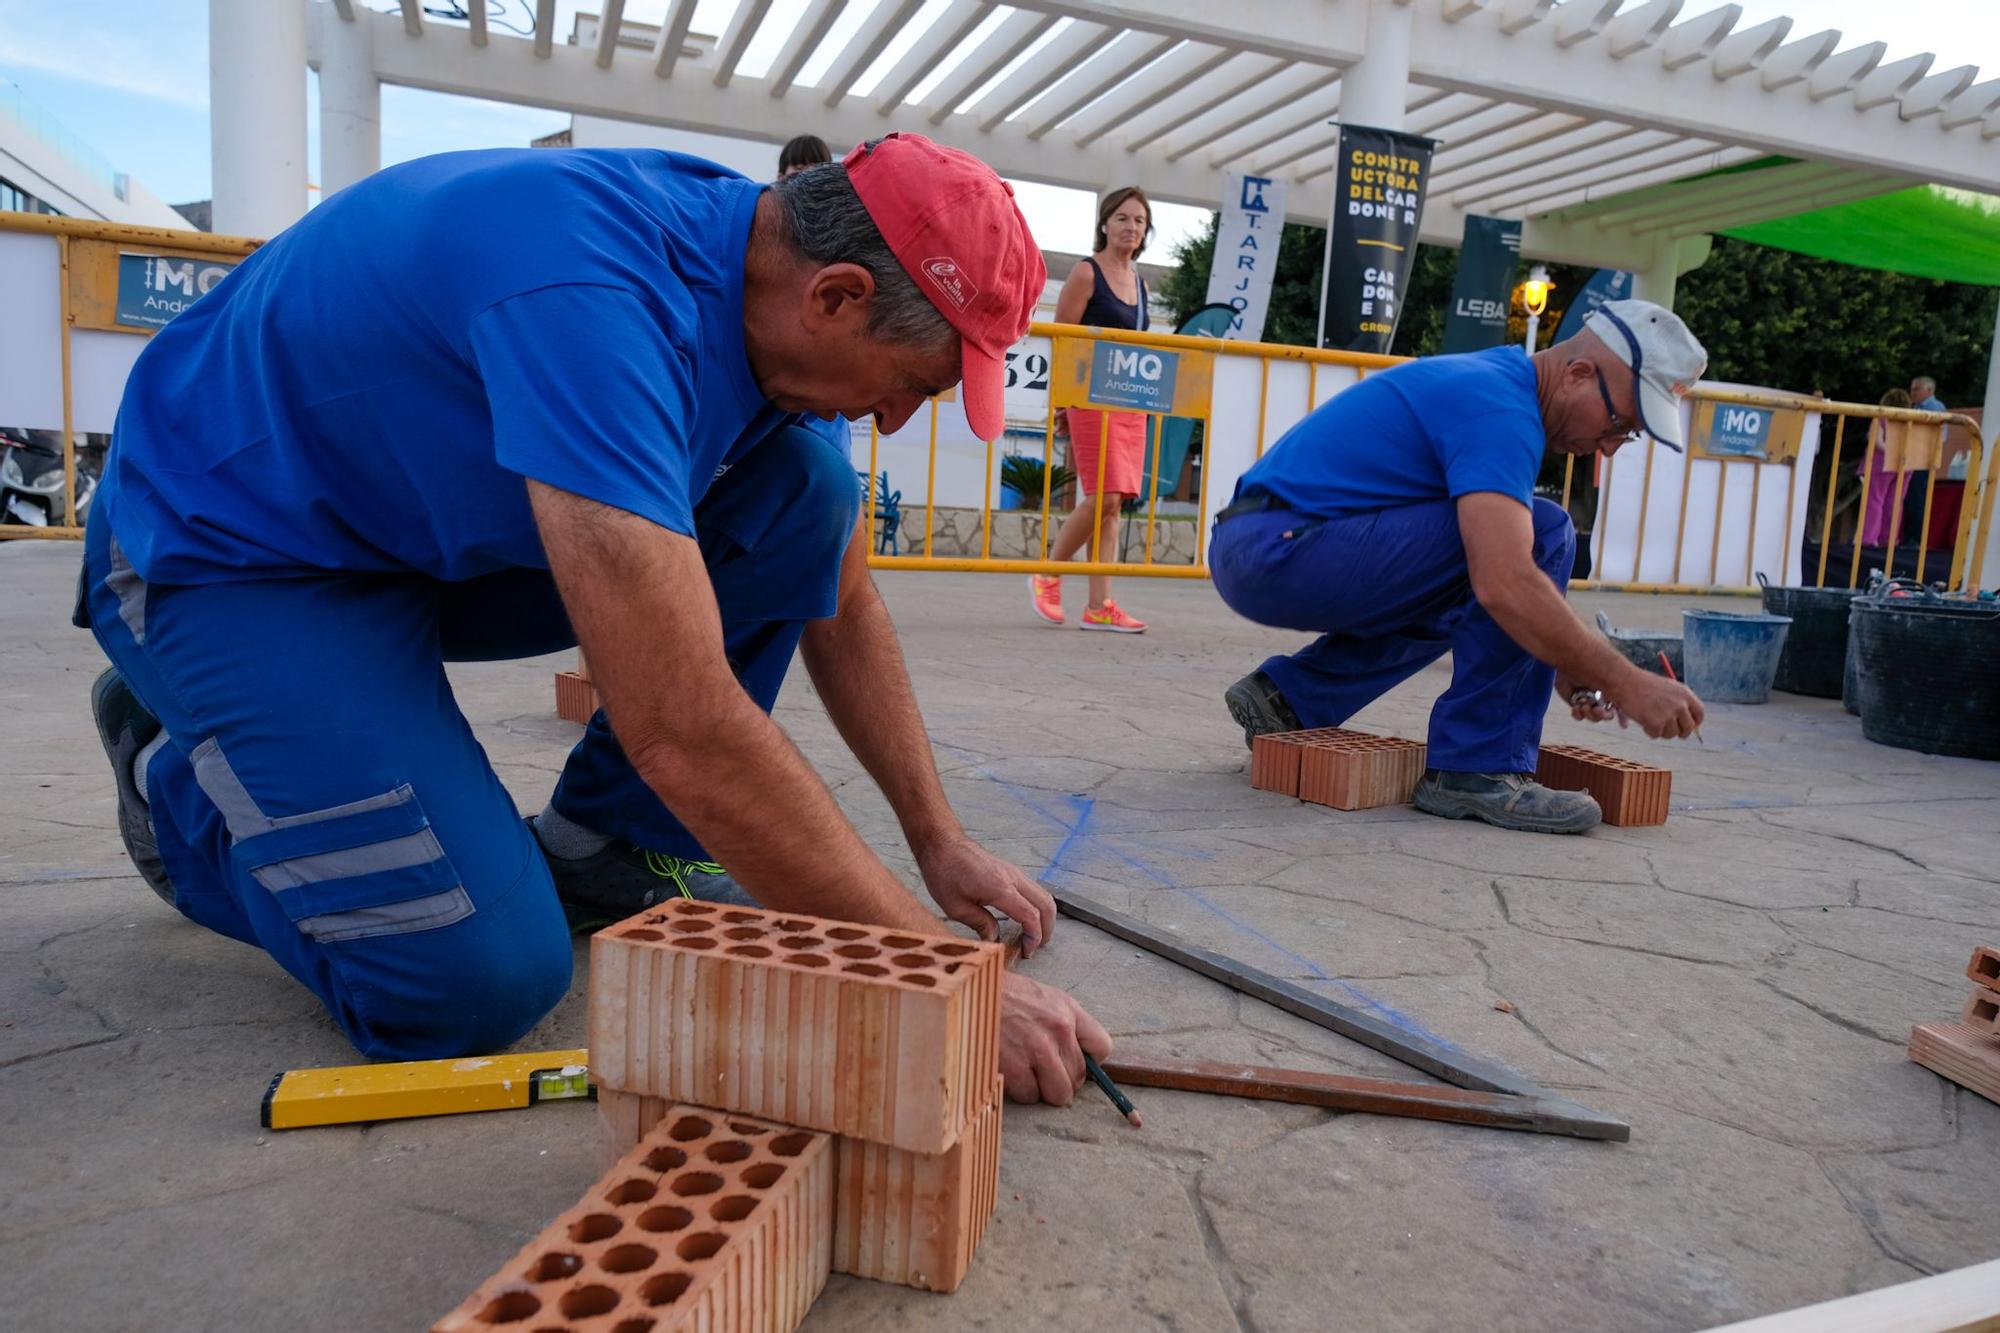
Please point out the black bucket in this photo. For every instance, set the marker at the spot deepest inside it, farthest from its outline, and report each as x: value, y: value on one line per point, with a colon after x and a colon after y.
x: 1816, y: 649
x: 1927, y: 678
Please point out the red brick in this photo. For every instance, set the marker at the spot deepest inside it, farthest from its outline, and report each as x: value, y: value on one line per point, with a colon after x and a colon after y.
x: 1352, y: 770
x: 1985, y: 967
x: 713, y: 1222
x: 576, y: 698
x: 1982, y: 1011
x: 1630, y: 794
x: 854, y: 1030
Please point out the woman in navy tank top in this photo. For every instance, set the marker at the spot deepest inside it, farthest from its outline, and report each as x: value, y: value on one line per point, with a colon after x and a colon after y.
x: 1107, y: 292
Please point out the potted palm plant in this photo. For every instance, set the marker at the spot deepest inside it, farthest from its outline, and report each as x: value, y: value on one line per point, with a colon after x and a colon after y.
x: 1021, y: 480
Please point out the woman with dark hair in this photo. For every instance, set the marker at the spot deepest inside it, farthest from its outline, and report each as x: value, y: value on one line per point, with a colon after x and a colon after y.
x: 1107, y: 450
x: 807, y: 150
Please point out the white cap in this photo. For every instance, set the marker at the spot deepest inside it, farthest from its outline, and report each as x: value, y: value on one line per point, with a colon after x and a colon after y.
x: 1663, y: 355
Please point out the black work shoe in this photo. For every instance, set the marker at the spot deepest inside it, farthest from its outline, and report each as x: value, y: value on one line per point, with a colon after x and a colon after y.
x: 1506, y: 800
x: 126, y: 728
x: 1259, y: 708
x: 623, y: 879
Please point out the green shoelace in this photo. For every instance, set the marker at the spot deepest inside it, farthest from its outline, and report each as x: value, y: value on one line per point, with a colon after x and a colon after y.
x: 678, y: 869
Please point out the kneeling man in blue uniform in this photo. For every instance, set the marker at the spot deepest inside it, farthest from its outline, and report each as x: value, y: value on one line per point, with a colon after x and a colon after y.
x: 488, y: 405
x: 1399, y: 522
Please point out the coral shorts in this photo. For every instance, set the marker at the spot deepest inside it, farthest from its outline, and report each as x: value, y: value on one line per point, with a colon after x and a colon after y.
x: 1124, y: 464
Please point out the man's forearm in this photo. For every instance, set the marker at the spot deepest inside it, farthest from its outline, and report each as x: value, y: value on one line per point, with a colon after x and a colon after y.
x: 1538, y: 617
x: 857, y: 666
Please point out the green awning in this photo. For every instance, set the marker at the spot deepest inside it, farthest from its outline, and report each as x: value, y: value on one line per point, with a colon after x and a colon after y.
x: 1930, y: 231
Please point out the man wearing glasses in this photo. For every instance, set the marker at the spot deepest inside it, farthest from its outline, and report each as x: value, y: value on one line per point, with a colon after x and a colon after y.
x: 1399, y: 522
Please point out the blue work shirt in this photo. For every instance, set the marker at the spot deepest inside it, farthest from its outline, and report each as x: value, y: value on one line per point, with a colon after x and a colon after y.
x: 368, y: 391
x: 1433, y: 429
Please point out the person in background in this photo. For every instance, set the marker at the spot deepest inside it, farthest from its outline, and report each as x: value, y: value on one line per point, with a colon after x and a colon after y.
x: 1923, y: 397
x: 1881, y: 521
x: 1108, y: 450
x: 807, y: 150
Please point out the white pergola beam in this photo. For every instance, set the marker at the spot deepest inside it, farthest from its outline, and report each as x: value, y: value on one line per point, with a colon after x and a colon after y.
x: 938, y: 42
x: 476, y: 19
x: 1516, y: 15
x: 1454, y: 10
x: 1306, y: 85
x: 1930, y: 95
x: 1636, y: 207
x: 1333, y: 34
x: 1795, y: 60
x: 1582, y: 163
x: 608, y: 24
x: 674, y: 27
x: 1451, y: 160
x: 1667, y: 162
x: 344, y: 8
x: 1749, y: 213
x: 1117, y: 65
x: 736, y: 38
x: 1971, y: 106
x: 865, y: 47
x: 808, y: 31
x: 1775, y: 188
x: 1694, y: 41
x: 545, y: 27
x: 1580, y: 20
x: 1189, y: 65
x: 1639, y: 28
x: 1237, y: 77
x: 1844, y: 72
x: 1889, y: 82
x: 1741, y: 52
x: 1001, y: 48
x: 1580, y: 142
x: 1299, y: 122
x: 1072, y: 48
x: 413, y: 17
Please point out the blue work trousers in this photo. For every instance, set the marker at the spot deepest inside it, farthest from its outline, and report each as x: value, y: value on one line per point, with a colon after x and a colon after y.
x: 1389, y: 593
x: 323, y: 798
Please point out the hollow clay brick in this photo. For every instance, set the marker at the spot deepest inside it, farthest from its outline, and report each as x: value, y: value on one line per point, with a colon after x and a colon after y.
x: 713, y: 1222
x: 1985, y: 967
x: 1982, y: 1011
x: 857, y: 1030
x: 1274, y: 757
x: 904, y: 1217
x: 1352, y: 770
x: 1968, y: 1056
x: 1630, y: 794
x: 576, y: 697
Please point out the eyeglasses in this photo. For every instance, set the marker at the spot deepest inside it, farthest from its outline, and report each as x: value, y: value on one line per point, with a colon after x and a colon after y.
x: 1624, y: 429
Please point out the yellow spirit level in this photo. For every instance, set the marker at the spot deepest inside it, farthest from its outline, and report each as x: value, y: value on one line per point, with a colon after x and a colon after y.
x: 354, y: 1093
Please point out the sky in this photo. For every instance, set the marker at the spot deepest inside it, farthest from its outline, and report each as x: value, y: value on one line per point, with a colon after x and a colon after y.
x: 130, y: 79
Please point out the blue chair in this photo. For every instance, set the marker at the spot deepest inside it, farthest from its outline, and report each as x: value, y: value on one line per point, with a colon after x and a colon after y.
x: 888, y: 512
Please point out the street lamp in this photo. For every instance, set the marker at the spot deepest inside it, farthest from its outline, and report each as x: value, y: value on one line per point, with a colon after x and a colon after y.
x: 1535, y: 299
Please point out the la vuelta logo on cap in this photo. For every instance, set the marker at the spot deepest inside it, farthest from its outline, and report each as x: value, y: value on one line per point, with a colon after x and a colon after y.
x: 944, y: 273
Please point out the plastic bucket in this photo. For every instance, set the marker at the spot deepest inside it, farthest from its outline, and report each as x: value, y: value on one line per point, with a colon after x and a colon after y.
x: 1732, y: 659
x: 1927, y: 675
x: 1642, y: 647
x: 1816, y: 648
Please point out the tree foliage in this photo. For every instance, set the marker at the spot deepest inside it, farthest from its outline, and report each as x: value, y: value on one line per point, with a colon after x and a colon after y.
x: 1768, y: 317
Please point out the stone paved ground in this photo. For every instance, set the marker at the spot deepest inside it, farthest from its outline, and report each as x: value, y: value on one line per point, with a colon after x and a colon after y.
x: 1737, y: 984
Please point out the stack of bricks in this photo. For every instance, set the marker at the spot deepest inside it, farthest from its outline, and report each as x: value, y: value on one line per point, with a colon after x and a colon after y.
x: 851, y: 1073
x: 709, y: 1222
x: 1630, y: 794
x: 1348, y: 770
x: 888, y: 1041
x: 576, y: 697
x: 1968, y: 1052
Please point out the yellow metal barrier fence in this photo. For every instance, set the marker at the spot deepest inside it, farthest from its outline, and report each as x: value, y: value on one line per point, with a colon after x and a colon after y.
x: 88, y: 259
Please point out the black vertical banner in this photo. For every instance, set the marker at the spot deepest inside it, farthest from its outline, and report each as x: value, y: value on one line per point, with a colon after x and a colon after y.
x: 1481, y: 291
x: 1378, y: 199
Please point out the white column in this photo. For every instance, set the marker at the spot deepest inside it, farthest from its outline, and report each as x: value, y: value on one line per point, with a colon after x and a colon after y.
x: 257, y: 114
x: 1989, y: 426
x: 1656, y: 281
x: 350, y: 105
x: 1373, y: 92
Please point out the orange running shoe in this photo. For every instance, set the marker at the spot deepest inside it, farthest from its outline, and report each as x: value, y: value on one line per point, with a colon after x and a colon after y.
x: 1112, y: 618
x: 1047, y: 593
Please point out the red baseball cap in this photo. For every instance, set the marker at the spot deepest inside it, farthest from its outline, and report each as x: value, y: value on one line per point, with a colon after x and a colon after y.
x: 954, y: 227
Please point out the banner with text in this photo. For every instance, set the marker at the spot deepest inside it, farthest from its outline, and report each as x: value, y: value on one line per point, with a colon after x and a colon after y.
x: 1482, y: 290
x: 1607, y: 284
x: 1246, y: 252
x: 1378, y: 200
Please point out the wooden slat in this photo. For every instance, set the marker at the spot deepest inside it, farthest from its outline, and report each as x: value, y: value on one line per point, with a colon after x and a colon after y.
x: 1960, y: 1052
x: 1341, y: 1092
x: 1966, y: 1300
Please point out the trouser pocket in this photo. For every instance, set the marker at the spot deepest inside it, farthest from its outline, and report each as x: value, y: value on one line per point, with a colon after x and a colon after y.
x: 367, y: 868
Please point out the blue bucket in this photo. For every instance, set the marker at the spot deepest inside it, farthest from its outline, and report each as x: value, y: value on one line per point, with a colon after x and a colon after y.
x: 1731, y: 658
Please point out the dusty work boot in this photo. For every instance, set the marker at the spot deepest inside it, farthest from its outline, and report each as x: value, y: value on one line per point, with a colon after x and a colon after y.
x: 126, y: 728
x: 1259, y: 708
x: 621, y: 879
x: 1506, y: 800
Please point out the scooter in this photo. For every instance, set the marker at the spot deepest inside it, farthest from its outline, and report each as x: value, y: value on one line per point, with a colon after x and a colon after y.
x: 31, y: 479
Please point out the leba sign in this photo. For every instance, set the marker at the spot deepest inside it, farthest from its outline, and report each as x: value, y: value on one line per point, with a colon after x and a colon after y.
x: 1164, y: 381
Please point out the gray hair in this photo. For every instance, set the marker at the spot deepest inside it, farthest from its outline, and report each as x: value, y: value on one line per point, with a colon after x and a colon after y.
x: 1925, y: 380
x: 827, y: 223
